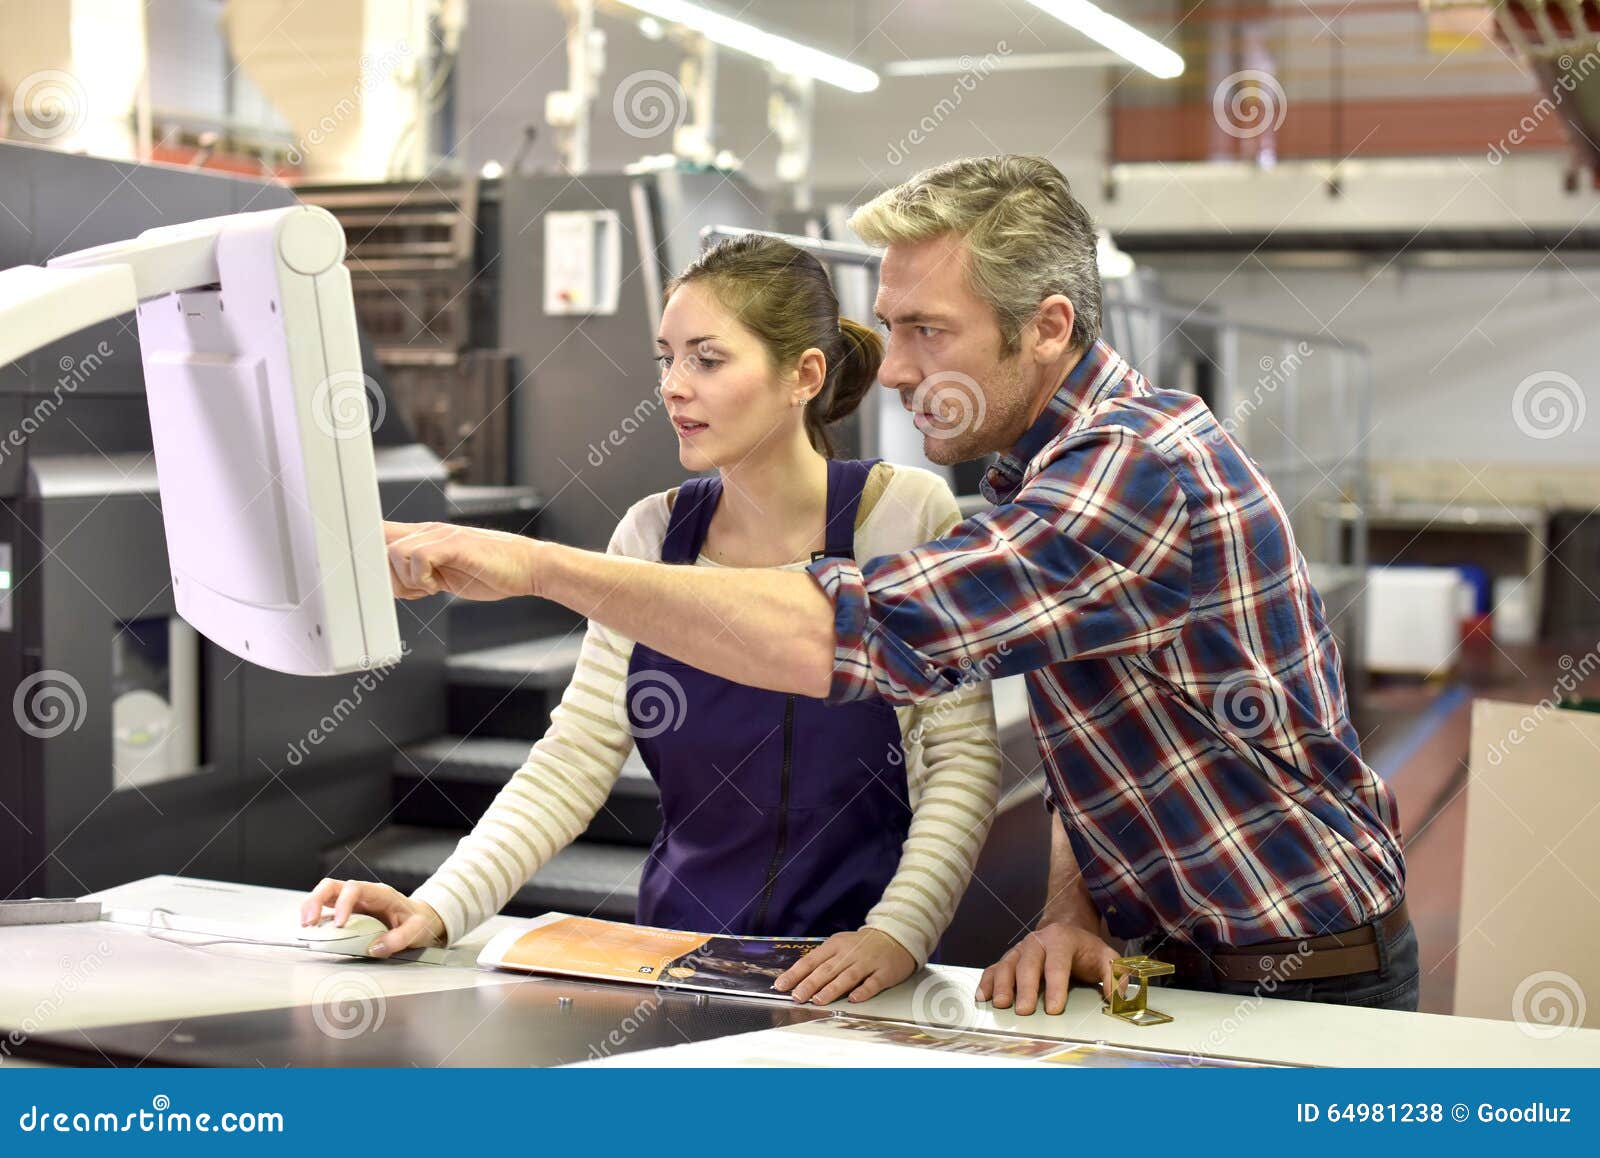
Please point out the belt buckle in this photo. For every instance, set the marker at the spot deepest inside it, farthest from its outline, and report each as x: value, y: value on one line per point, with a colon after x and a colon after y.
x: 1135, y: 1009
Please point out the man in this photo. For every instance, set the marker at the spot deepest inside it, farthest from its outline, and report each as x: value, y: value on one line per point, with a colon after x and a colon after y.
x: 1185, y: 691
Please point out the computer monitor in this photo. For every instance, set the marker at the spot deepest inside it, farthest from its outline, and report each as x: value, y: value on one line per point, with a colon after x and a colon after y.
x: 260, y: 424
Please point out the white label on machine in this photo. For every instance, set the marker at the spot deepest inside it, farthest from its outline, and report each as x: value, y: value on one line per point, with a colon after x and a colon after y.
x: 582, y: 262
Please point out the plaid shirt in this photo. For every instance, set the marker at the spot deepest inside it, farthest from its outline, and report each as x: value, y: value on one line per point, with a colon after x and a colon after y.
x: 1183, y: 684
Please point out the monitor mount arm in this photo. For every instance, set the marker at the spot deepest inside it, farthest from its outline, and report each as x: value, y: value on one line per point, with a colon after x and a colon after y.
x: 40, y: 305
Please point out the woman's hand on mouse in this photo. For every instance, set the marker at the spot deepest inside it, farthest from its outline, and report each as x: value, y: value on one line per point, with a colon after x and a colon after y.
x: 427, y: 558
x: 862, y: 964
x: 412, y: 924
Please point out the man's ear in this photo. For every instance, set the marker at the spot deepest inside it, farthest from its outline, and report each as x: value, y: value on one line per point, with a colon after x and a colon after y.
x: 810, y: 378
x: 1052, y: 328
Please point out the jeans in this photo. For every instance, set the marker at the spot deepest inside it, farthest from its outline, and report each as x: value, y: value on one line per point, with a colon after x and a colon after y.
x: 1393, y: 986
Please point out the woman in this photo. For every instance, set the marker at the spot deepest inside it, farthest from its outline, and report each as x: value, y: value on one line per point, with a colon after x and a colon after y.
x: 781, y: 815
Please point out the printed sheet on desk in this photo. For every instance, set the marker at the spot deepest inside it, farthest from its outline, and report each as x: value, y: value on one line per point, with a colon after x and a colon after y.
x: 862, y: 1042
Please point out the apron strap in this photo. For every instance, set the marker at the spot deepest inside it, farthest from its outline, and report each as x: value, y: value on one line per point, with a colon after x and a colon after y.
x: 698, y: 497
x: 691, y: 517
x: 847, y: 478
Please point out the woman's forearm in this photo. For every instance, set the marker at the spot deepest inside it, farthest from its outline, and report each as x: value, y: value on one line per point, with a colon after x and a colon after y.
x: 548, y: 801
x: 766, y: 628
x: 952, y: 761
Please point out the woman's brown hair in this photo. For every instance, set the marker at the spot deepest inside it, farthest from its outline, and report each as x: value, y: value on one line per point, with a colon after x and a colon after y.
x: 783, y: 296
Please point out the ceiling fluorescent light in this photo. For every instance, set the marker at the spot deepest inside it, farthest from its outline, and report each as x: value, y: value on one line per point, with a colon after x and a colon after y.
x: 1119, y: 36
x: 1016, y: 62
x: 788, y: 55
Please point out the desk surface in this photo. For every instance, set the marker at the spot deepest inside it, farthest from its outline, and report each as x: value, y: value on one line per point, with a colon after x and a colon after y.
x: 76, y: 976
x: 1292, y: 1032
x: 532, y: 1021
x: 99, y: 992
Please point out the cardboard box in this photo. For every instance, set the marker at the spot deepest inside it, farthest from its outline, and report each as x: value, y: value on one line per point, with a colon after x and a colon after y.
x: 1530, y: 892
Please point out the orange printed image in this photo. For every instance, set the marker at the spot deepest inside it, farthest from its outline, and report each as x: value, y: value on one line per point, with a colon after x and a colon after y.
x: 568, y: 946
x: 594, y: 948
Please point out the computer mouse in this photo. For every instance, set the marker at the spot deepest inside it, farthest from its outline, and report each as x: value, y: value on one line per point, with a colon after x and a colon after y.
x: 354, y: 938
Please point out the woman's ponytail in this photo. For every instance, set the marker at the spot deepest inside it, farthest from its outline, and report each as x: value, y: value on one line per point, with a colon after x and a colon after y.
x: 852, y: 371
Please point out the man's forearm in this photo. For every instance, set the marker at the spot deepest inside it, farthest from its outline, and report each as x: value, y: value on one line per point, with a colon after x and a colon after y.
x: 1067, y: 896
x: 769, y: 629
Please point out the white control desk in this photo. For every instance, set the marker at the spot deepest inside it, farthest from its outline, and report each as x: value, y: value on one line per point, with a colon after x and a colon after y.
x: 105, y: 993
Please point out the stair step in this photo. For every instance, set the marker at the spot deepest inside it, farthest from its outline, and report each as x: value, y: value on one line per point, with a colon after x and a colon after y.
x: 507, y: 691
x: 586, y: 879
x: 495, y: 761
x: 449, y: 781
x: 470, y: 503
x: 546, y: 663
x: 480, y: 624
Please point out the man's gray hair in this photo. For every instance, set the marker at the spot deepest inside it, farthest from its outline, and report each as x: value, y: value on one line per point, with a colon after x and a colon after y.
x: 1026, y: 235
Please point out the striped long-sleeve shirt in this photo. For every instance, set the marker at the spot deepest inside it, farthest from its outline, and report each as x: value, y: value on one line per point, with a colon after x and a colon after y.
x: 952, y: 759
x: 1184, y: 687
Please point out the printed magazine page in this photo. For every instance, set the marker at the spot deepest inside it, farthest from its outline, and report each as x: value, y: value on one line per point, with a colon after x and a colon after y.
x: 568, y: 946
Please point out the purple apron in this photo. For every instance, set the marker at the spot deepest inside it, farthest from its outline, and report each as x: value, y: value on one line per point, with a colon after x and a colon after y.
x: 780, y: 815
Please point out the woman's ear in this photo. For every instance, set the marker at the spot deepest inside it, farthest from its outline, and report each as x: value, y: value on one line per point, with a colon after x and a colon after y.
x: 810, y: 378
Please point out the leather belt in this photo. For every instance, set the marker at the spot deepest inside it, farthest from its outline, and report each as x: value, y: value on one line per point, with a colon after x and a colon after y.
x: 1302, y: 959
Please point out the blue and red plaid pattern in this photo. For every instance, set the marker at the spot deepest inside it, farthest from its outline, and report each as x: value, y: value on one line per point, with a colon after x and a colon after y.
x: 1184, y: 688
